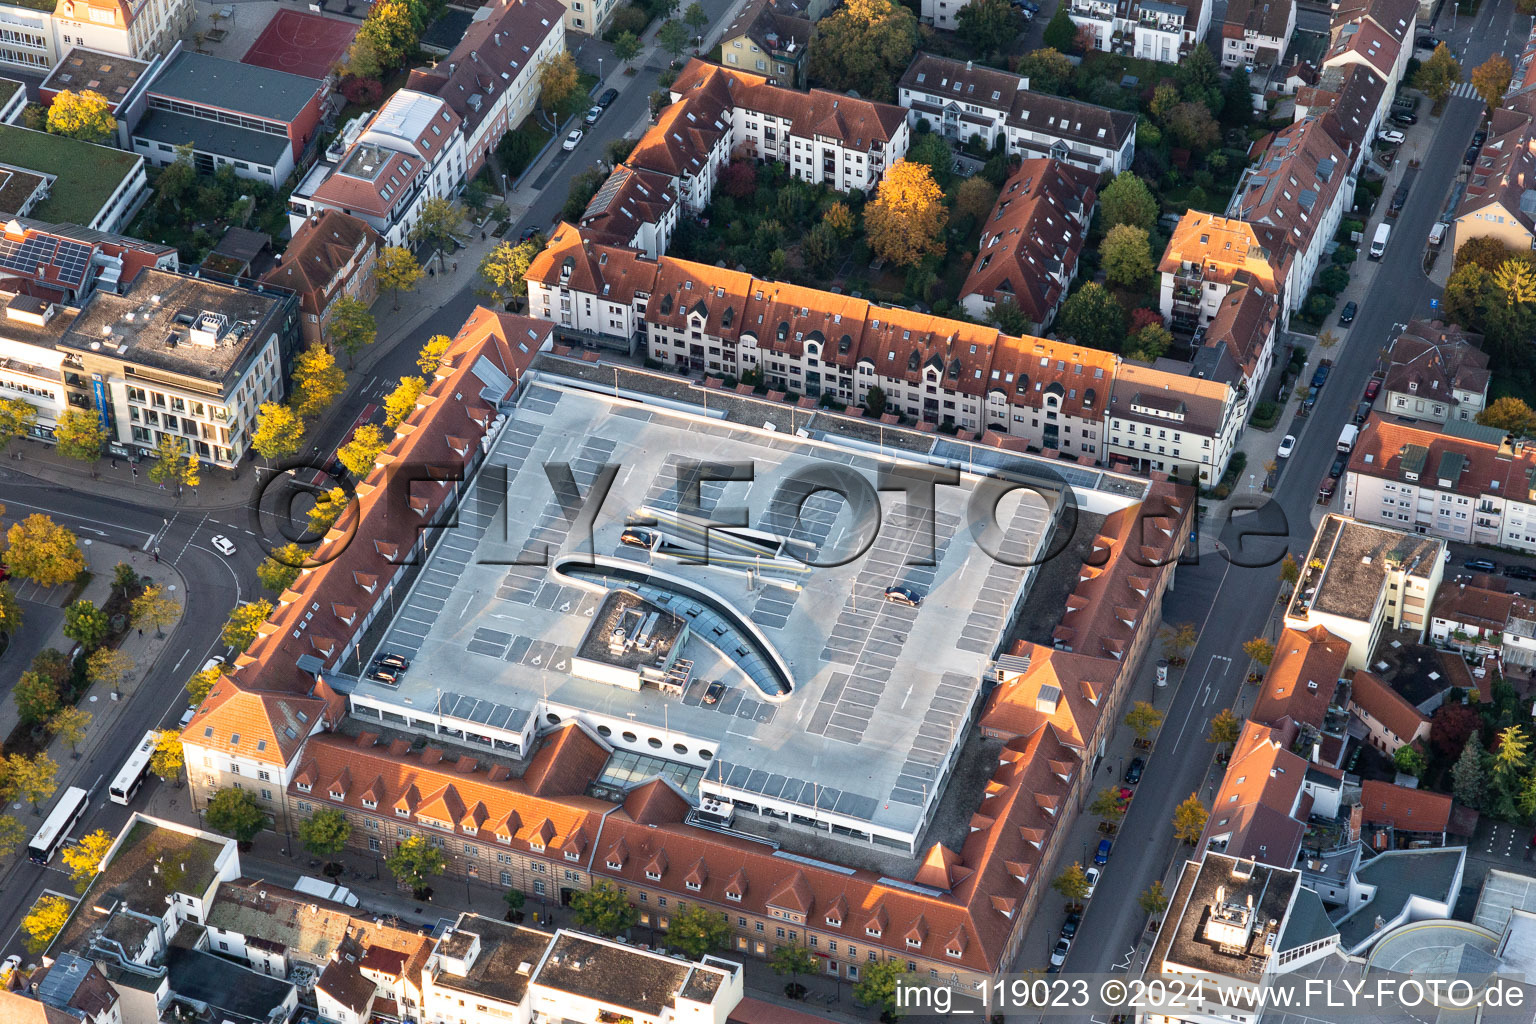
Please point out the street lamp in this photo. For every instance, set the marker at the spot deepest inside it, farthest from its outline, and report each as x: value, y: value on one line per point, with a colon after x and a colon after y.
x: 599, y: 71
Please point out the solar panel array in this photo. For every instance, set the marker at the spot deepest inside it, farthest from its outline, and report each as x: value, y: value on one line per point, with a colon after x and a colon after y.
x: 71, y: 258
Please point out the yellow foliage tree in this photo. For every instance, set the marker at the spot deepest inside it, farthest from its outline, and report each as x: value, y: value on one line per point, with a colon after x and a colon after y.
x: 44, y: 921
x: 432, y: 353
x: 905, y: 222
x: 84, y: 115
x: 317, y: 380
x: 401, y: 402
x: 84, y: 858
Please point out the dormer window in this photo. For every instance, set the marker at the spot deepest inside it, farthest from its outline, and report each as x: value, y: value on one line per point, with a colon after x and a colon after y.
x: 654, y: 876
x: 953, y: 952
x: 337, y: 796
x: 872, y: 931
x: 304, y: 787
x: 834, y: 922
x: 370, y: 804
x: 914, y: 943
x: 614, y: 865
x: 536, y: 845
x: 402, y: 812
x: 734, y: 897
x: 572, y: 855
x: 693, y: 886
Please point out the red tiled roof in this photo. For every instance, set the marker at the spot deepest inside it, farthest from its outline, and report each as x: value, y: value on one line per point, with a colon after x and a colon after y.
x: 1484, y: 468
x: 320, y: 249
x: 1409, y: 810
x: 1257, y: 797
x: 1386, y: 705
x: 1016, y: 707
x: 1300, y: 682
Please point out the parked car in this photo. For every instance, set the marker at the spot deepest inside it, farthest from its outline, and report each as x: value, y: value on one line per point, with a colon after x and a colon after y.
x: 1101, y: 855
x: 1093, y: 875
x: 714, y: 692
x: 1287, y: 445
x: 213, y: 662
x: 1405, y: 117
x: 1337, y: 469
x: 12, y: 963
x: 1325, y: 490
x: 1134, y: 769
x: 1520, y: 572
x: 1426, y: 42
x: 1480, y: 565
x: 394, y: 661
x: 1069, y: 926
x: 1347, y: 314
x: 904, y: 595
x: 1372, y: 389
x: 1479, y: 137
x: 593, y: 113
x: 528, y: 233
x: 638, y: 536
x: 607, y: 98
x: 1470, y: 157
x: 572, y: 140
x: 1391, y: 137
x: 222, y: 545
x: 1361, y: 412
x: 1059, y: 954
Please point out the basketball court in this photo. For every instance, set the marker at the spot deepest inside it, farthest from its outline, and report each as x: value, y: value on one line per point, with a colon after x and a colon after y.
x: 301, y: 43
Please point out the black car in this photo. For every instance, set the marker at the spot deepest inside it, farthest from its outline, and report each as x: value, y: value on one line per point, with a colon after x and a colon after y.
x: 1403, y: 117
x: 1069, y: 926
x: 1427, y: 42
x: 1480, y: 565
x: 904, y: 595
x: 1134, y: 769
x: 527, y: 234
x: 393, y: 661
x: 1471, y: 155
x: 1337, y: 469
x: 1520, y: 572
x: 638, y: 536
x: 607, y: 98
x: 714, y: 692
x: 1480, y: 136
x: 1347, y: 314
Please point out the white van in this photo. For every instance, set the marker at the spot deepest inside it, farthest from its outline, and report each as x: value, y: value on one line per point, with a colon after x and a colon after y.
x: 1348, y: 437
x: 1379, y: 243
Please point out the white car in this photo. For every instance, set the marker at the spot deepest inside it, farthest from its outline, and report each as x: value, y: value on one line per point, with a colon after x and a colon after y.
x: 571, y: 140
x: 1059, y: 953
x: 1391, y: 138
x: 213, y: 662
x: 222, y: 544
x: 12, y: 962
x: 1093, y: 875
x: 1287, y: 445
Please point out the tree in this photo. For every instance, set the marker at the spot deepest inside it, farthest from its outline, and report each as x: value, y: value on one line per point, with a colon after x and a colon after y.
x: 317, y: 381
x: 16, y: 419
x: 1164, y: 98
x: 1408, y: 760
x: 697, y: 930
x: 1290, y: 571
x: 1127, y: 200
x: 154, y: 608
x: 327, y: 509
x: 438, y: 220
x: 10, y: 610
x: 1437, y: 76
x: 1511, y: 756
x: 279, y: 569
x: 1192, y: 125
x: 1071, y: 884
x: 1060, y: 33
x: 1517, y: 280
x: 1153, y: 900
x: 673, y: 38
x: 878, y: 982
x: 42, y: 551
x: 905, y: 222
x: 1010, y: 318
x: 875, y: 401
x: 84, y: 115
x: 69, y: 724
x: 840, y: 219
x: 86, y: 624
x: 401, y: 402
x: 244, y: 624
x: 1452, y: 726
x: 351, y: 327
x: 109, y: 667
x: 1260, y: 650
x: 988, y: 26
x: 1144, y: 719
x: 1237, y: 102
x: 504, y: 270
x: 236, y: 813
x: 12, y: 834
x: 695, y: 17
x: 79, y: 435
x: 397, y: 269
x: 1092, y: 317
x: 387, y: 34
x: 1108, y: 805
x: 201, y: 684
x: 819, y: 249
x: 559, y: 78
x: 171, y: 464
x: 279, y: 431
x: 626, y: 47
x: 793, y: 960
x: 1491, y: 79
x: 33, y: 779
x: 360, y: 453
x: 36, y: 696
x: 1149, y: 343
x: 1178, y: 640
x: 602, y: 909
x: 431, y: 356
x: 975, y: 197
x: 864, y: 46
x: 582, y: 188
x: 1225, y: 728
x: 1127, y: 255
x: 1511, y: 414
x: 1189, y: 820
x: 325, y: 833
x: 84, y: 858
x: 515, y: 898
x: 168, y: 759
x: 1047, y: 68
x: 44, y: 922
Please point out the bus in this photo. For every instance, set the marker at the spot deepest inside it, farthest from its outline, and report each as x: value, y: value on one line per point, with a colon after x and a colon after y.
x: 66, y: 814
x: 135, y: 768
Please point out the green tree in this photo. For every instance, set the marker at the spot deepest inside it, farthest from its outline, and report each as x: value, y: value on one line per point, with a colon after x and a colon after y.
x: 1154, y: 900
x: 1192, y: 125
x: 1108, y: 805
x: 988, y: 26
x: 168, y: 759
x: 1260, y: 650
x: 84, y: 115
x: 697, y: 930
x: 36, y: 696
x: 1237, y: 102
x: 84, y: 857
x: 79, y: 435
x: 1143, y: 719
x: 16, y: 419
x: 930, y: 150
x: 864, y: 46
x: 878, y: 982
x: 317, y: 382
x: 504, y: 269
x: 327, y: 509
x: 401, y: 402
x: 1047, y: 68
x: 360, y: 453
x: 626, y: 47
x: 975, y: 197
x: 1491, y: 80
x: 1511, y: 414
x: 582, y: 188
x: 125, y: 579
x: 201, y: 684
x: 695, y: 17
x: 1440, y: 74
x: 154, y: 608
x: 1178, y: 640
x: 44, y: 922
x: 279, y: 431
x: 840, y: 219
x: 559, y: 78
x: 244, y: 624
x: 602, y: 909
x: 875, y: 401
x: 793, y: 960
x: 1009, y: 318
x: 1060, y: 33
x: 1071, y: 884
x: 109, y: 667
x: 86, y: 624
x: 397, y: 270
x: 69, y: 724
x: 1408, y: 760
x: 415, y: 863
x: 1149, y: 343
x: 820, y: 250
x: 1198, y: 74
x: 515, y: 898
x: 388, y: 34
x: 1127, y: 200
x: 1189, y: 820
x: 280, y: 568
x: 12, y: 835
x: 1511, y: 757
x: 1225, y: 728
x: 1127, y: 255
x: 33, y: 779
x: 1092, y: 317
x: 236, y: 813
x: 351, y: 327
x: 673, y: 38
x: 437, y: 222
x: 431, y: 356
x: 325, y: 833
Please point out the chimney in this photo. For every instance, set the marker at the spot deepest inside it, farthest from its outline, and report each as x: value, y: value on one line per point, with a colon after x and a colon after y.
x: 1356, y: 816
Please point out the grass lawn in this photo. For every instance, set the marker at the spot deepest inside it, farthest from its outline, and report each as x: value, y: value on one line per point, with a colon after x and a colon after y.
x: 87, y: 175
x: 519, y: 146
x: 1115, y: 66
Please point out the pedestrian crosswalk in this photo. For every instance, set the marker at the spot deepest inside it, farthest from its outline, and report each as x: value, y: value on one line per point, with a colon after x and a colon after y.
x: 1465, y: 90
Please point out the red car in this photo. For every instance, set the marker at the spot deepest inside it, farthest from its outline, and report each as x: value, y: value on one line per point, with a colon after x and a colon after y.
x: 1325, y: 490
x: 1373, y: 389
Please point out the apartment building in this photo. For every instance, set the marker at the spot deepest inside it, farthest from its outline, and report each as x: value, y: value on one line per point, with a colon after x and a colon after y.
x: 1377, y: 33
x: 698, y: 318
x: 65, y: 263
x: 635, y: 209
x: 1170, y: 423
x: 411, y: 151
x: 62, y: 180
x: 1030, y: 242
x: 961, y: 100
x: 1147, y: 29
x: 1390, y: 721
x: 1494, y: 204
x: 1239, y: 344
x: 33, y: 36
x: 1256, y: 33
x: 31, y: 367
x: 332, y: 256
x: 1208, y: 255
x: 490, y: 79
x: 1253, y: 813
x: 1438, y: 373
x: 1347, y: 98
x: 1303, y: 682
x: 771, y: 39
x: 1359, y: 579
